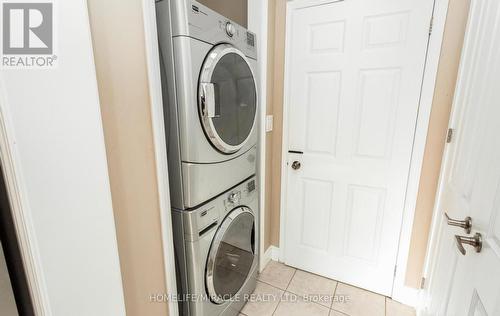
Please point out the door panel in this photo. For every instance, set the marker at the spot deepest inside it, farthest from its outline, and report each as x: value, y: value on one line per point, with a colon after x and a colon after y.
x: 471, y: 177
x: 316, y: 192
x: 377, y: 110
x: 319, y: 116
x: 363, y: 227
x: 355, y: 70
x: 385, y: 30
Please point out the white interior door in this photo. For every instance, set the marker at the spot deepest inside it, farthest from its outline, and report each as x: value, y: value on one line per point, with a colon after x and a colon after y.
x: 470, y: 284
x: 355, y: 71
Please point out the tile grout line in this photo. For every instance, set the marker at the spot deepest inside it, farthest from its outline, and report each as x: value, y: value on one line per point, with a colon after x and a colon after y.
x: 289, y: 282
x: 284, y: 292
x: 385, y: 306
x: 274, y: 287
x: 303, y: 295
x: 334, y: 292
x: 336, y: 288
x: 267, y: 283
x: 277, y: 305
x: 342, y: 313
x: 320, y: 305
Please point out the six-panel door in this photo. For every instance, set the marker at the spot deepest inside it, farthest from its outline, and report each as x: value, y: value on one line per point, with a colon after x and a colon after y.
x: 355, y: 72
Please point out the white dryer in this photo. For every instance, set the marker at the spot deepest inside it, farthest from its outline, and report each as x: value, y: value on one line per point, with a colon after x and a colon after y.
x: 210, y: 100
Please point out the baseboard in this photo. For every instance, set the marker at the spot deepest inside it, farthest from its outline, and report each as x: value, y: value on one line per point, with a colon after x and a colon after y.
x: 406, y: 295
x: 275, y: 253
x: 265, y: 259
x: 272, y: 253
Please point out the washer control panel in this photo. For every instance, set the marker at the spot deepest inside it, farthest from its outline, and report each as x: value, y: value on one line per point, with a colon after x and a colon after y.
x: 241, y: 195
x: 204, y: 220
x: 251, y: 186
x: 234, y: 197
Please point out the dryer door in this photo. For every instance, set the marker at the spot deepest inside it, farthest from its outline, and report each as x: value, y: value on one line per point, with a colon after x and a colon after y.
x: 227, y: 98
x: 231, y: 255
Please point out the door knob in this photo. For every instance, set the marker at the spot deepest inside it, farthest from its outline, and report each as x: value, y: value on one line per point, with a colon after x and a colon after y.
x: 296, y: 165
x: 476, y: 242
x: 465, y: 224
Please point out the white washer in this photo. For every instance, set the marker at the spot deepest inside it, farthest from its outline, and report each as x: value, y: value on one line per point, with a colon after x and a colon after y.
x: 211, y: 101
x: 217, y: 252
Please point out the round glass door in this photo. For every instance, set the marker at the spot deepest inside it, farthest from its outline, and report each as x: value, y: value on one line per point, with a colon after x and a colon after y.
x: 227, y: 98
x: 231, y: 255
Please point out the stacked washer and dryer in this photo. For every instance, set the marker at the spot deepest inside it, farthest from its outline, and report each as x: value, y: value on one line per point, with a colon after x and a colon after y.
x: 210, y: 107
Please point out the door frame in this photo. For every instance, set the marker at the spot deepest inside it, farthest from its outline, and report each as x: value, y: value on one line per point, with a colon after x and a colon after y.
x: 400, y: 291
x: 437, y: 224
x: 157, y: 120
x: 258, y: 23
x: 21, y: 214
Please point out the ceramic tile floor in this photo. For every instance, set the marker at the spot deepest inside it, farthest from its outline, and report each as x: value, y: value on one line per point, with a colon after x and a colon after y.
x: 286, y: 291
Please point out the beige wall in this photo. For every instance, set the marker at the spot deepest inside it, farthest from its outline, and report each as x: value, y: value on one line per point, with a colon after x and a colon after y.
x: 438, y: 126
x: 269, y: 136
x: 118, y: 39
x: 276, y: 96
x: 235, y: 10
x: 443, y: 98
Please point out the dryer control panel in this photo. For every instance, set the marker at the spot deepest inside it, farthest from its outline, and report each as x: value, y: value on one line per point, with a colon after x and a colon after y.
x: 209, y: 25
x: 193, y: 19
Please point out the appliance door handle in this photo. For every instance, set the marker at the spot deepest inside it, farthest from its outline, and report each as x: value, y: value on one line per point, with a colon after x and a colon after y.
x: 208, y: 99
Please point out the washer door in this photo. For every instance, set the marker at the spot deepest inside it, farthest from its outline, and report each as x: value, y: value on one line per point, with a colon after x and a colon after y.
x: 231, y: 255
x: 227, y: 98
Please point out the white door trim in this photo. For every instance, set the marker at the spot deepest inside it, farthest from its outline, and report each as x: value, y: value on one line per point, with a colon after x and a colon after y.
x: 431, y: 256
x: 435, y: 245
x: 258, y: 22
x: 20, y: 211
x: 401, y: 292
x: 160, y: 148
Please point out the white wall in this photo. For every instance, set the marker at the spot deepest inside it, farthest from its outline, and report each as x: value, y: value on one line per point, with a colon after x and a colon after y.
x: 58, y: 144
